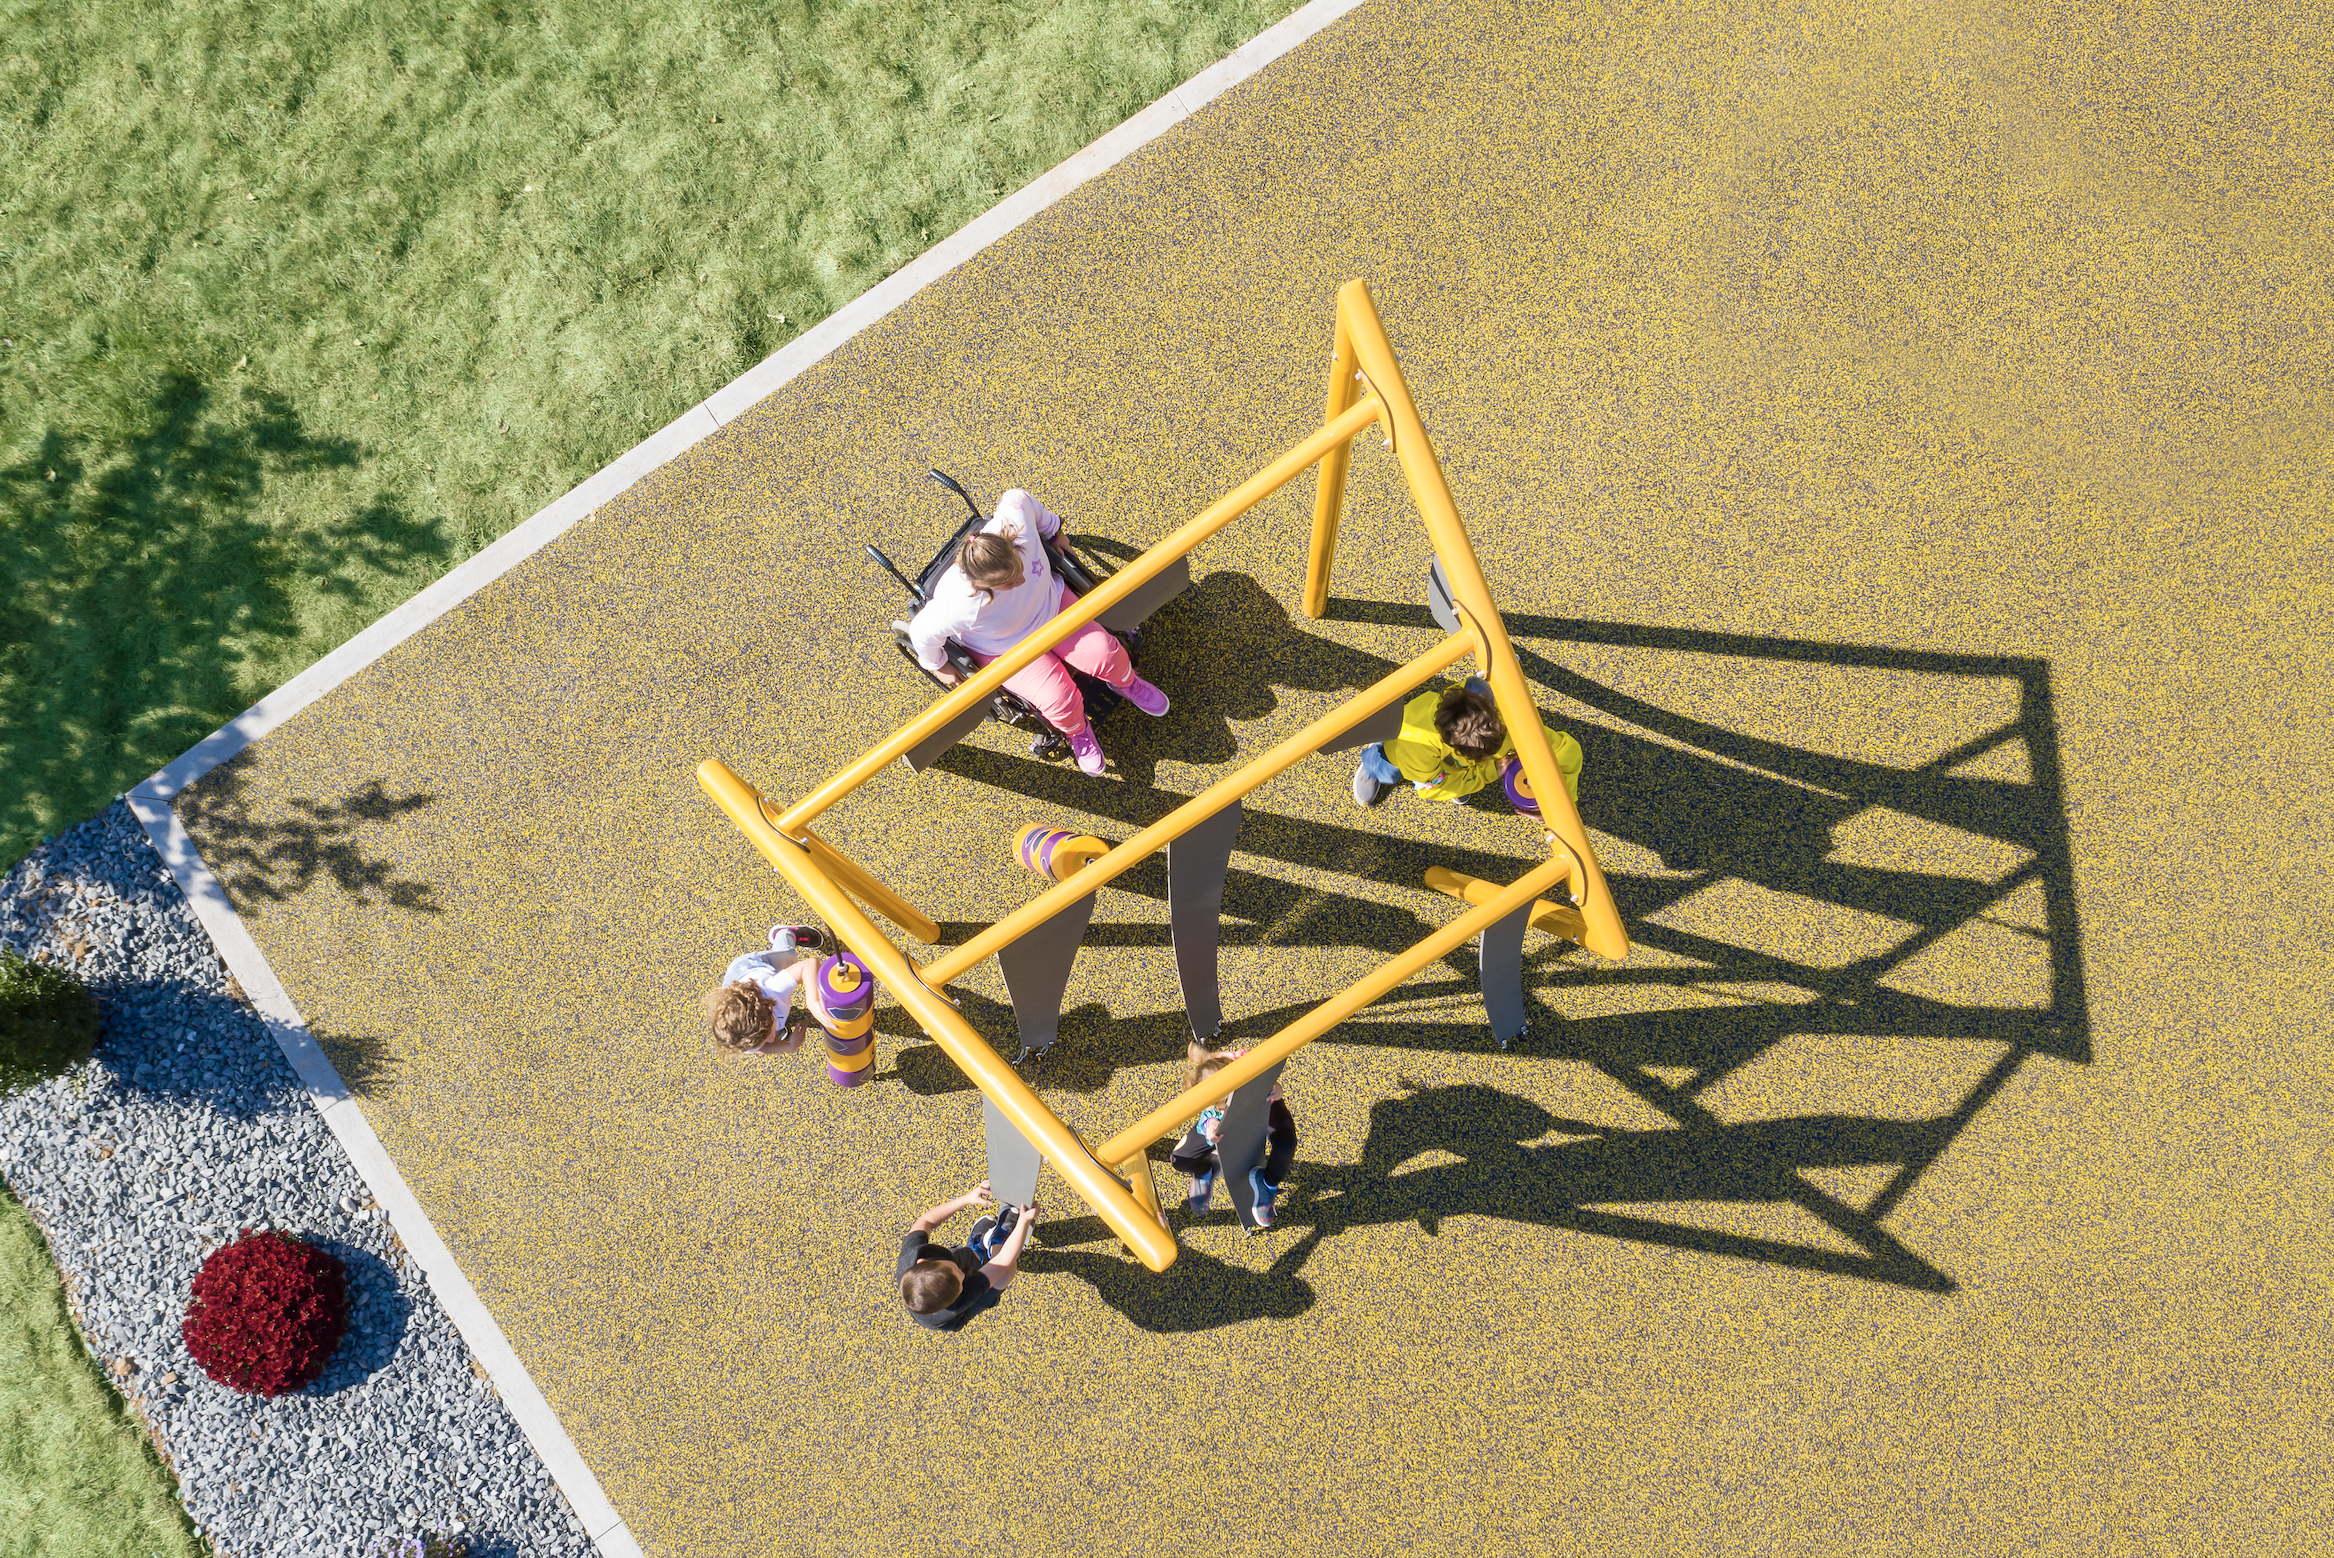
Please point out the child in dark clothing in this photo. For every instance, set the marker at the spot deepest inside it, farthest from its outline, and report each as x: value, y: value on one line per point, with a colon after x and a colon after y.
x: 1196, y: 1153
x: 945, y: 1287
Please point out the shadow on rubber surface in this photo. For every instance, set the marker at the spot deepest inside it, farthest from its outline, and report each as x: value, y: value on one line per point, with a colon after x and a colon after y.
x: 1734, y: 819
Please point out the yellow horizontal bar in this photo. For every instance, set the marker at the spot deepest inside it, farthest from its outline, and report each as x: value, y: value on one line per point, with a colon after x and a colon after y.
x: 952, y: 965
x: 1117, y: 1206
x: 1358, y: 317
x: 1262, y: 1057
x: 1557, y: 919
x: 857, y: 880
x: 1089, y: 606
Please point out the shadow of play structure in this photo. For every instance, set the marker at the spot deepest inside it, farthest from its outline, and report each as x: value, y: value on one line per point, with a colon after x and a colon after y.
x: 1037, y: 943
x: 1719, y: 809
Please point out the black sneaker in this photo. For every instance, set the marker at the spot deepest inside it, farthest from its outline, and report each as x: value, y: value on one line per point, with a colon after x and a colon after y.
x: 1366, y: 790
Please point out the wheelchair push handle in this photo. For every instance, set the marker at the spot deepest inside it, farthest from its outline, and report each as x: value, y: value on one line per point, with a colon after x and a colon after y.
x: 953, y: 485
x: 915, y: 592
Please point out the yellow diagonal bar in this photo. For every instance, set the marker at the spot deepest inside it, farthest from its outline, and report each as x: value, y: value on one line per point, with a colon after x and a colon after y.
x: 1261, y: 1058
x: 1357, y: 319
x: 1089, y: 606
x: 1113, y: 1202
x: 951, y: 965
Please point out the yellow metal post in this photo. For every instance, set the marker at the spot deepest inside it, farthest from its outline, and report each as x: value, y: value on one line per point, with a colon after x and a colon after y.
x: 1136, y: 1171
x: 1329, y: 496
x: 1358, y: 318
x: 858, y: 881
x: 1148, y: 1237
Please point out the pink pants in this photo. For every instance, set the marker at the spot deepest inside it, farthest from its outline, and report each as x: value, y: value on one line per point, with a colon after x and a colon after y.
x: 1045, y: 683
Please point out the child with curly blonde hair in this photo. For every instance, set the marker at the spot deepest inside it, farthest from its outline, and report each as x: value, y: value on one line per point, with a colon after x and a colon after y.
x: 752, y: 1010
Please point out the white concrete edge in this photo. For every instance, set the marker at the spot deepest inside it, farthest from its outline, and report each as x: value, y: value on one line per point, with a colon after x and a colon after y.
x: 150, y: 801
x: 742, y: 394
x: 452, y: 1289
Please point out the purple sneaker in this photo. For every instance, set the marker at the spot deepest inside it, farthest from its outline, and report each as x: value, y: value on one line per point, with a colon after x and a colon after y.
x: 1144, y: 696
x: 1087, y: 751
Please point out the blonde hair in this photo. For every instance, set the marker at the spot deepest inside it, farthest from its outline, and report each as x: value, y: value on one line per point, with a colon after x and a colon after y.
x: 1202, y: 1064
x: 743, y: 1018
x: 988, y: 560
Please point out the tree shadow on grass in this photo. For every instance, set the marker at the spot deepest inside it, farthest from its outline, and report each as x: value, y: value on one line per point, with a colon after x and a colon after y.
x: 144, y: 578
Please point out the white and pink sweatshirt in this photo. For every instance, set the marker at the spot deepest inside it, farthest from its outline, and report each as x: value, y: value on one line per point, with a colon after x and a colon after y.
x: 991, y: 624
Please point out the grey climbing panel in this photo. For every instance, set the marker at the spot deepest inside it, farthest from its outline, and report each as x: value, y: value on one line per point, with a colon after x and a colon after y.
x: 1384, y: 725
x: 1439, y: 598
x: 1013, y: 1162
x: 1196, y: 866
x: 1501, y: 959
x: 1240, y: 1146
x: 1037, y: 973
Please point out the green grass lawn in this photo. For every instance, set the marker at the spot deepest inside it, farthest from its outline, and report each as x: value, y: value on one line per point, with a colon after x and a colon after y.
x: 303, y: 304
x: 77, y: 1475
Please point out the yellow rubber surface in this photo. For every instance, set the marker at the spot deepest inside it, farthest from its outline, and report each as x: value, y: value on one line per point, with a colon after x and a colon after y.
x: 1900, y: 439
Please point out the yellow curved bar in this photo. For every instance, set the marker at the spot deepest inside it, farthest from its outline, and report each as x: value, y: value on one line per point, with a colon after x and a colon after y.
x: 862, y: 885
x: 1117, y: 1206
x: 1262, y: 1057
x: 1089, y: 606
x: 1357, y: 317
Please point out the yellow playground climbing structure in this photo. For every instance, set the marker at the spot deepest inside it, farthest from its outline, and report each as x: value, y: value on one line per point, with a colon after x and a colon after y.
x: 1366, y: 387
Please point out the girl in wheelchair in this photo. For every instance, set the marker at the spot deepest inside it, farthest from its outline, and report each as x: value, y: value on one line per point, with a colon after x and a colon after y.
x: 998, y: 591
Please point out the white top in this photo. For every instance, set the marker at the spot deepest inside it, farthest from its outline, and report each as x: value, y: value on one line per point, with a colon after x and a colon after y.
x: 991, y: 624
x: 763, y: 971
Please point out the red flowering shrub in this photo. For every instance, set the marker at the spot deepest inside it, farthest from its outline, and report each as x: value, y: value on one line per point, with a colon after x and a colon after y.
x: 267, y: 1312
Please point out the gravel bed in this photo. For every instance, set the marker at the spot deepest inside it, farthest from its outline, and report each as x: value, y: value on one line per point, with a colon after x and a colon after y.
x: 186, y: 1127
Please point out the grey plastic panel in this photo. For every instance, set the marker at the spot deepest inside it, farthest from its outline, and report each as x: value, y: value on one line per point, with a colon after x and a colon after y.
x: 1196, y: 866
x: 1155, y: 592
x: 1037, y: 972
x: 1439, y: 599
x: 936, y: 746
x: 1241, y: 1145
x: 1501, y: 948
x: 1384, y: 725
x: 1013, y: 1162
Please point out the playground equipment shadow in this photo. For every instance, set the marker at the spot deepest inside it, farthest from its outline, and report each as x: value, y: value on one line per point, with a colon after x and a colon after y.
x: 1709, y: 816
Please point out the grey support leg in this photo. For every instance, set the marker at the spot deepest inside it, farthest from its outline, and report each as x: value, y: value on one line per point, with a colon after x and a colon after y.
x: 1196, y: 866
x: 1240, y: 1147
x: 1439, y: 599
x: 1037, y: 972
x: 1013, y: 1162
x: 1501, y: 959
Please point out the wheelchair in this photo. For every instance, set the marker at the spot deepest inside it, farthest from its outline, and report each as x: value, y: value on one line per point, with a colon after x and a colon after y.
x: 1123, y: 621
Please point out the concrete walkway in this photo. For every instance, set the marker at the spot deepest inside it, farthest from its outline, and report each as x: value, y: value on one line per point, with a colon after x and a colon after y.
x: 1901, y: 447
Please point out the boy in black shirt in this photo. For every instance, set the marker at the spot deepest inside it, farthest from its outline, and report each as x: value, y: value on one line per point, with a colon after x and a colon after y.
x: 945, y: 1287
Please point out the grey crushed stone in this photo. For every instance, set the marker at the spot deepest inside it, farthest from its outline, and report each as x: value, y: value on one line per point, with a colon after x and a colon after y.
x: 184, y: 1128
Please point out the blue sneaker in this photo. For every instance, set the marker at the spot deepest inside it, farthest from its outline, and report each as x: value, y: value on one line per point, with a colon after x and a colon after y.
x: 1265, y: 1193
x: 1203, y: 1194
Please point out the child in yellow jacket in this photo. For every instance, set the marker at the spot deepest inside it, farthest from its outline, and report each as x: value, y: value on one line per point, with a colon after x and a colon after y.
x: 1452, y: 744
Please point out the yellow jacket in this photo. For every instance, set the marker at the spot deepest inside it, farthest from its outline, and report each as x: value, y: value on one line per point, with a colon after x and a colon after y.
x: 1429, y: 763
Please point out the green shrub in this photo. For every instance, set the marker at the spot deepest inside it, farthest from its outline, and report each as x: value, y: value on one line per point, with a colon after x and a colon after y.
x: 48, y: 1021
